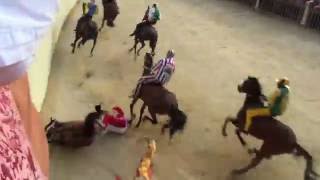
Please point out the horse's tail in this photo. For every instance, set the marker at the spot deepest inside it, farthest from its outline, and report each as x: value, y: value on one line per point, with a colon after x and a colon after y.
x: 178, y: 120
x: 309, y: 173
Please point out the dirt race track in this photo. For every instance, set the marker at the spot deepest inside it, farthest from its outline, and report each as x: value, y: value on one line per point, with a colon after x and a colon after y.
x: 217, y: 44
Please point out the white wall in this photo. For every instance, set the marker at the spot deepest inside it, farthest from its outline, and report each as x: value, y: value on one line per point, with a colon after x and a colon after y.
x: 40, y: 69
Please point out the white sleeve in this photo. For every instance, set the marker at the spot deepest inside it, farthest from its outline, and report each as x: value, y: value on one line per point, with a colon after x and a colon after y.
x: 22, y: 24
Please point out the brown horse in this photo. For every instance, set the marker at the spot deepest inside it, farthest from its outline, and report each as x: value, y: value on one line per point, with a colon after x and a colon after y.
x: 159, y: 101
x: 146, y: 32
x: 73, y: 133
x: 86, y: 30
x: 277, y: 137
x: 111, y: 11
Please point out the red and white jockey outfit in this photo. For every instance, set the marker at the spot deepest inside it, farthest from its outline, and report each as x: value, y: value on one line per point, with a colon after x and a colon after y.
x: 160, y: 73
x: 114, y: 122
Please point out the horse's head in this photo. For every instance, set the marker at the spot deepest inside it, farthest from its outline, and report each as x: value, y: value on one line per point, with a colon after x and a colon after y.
x: 49, y: 129
x: 148, y: 60
x: 89, y: 123
x: 250, y: 86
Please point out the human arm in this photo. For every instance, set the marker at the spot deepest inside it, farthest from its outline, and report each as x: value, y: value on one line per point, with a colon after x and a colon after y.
x: 31, y: 121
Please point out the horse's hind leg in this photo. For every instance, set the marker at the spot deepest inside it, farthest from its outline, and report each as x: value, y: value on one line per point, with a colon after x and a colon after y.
x: 153, y: 118
x: 142, y: 46
x: 309, y: 173
x: 143, y: 107
x: 153, y: 45
x: 254, y: 162
x: 134, y: 46
x: 102, y: 25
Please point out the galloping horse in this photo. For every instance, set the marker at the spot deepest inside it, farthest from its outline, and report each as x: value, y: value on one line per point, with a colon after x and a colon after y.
x: 277, y: 137
x: 110, y: 12
x: 86, y: 31
x: 146, y: 33
x: 73, y: 133
x: 159, y: 101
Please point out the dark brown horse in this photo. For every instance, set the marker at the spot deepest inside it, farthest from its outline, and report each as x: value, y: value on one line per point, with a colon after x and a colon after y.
x: 146, y: 32
x: 73, y: 133
x: 277, y: 137
x: 85, y: 31
x: 110, y: 12
x: 159, y: 101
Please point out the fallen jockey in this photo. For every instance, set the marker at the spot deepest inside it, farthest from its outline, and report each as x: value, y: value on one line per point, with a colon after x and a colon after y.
x: 152, y: 15
x: 144, y: 169
x: 89, y: 10
x: 277, y: 104
x: 160, y: 74
x: 115, y: 122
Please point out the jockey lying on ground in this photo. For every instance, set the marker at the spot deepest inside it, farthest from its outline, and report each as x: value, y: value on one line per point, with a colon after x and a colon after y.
x: 277, y: 103
x: 152, y: 15
x: 160, y: 73
x: 115, y: 122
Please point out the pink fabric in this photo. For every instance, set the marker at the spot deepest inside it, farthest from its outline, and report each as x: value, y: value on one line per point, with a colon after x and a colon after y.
x: 16, y: 159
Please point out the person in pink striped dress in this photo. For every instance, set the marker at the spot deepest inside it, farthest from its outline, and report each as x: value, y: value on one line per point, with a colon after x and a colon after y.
x: 24, y: 151
x: 160, y: 74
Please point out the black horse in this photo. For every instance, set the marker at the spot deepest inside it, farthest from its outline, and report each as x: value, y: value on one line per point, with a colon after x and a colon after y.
x: 73, y: 133
x: 277, y: 137
x: 145, y: 32
x: 86, y: 30
x: 110, y: 12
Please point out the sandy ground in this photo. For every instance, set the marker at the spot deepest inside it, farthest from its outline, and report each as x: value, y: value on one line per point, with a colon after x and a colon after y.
x: 217, y: 43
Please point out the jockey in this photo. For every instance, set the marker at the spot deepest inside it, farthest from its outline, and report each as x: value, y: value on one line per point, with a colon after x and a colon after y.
x: 92, y: 10
x: 152, y: 15
x: 115, y: 122
x: 160, y: 73
x: 277, y: 103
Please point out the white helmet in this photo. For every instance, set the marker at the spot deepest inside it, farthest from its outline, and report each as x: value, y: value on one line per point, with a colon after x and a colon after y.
x: 170, y: 53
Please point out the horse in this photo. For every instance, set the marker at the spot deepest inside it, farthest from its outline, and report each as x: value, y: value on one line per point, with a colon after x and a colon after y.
x: 86, y: 31
x: 145, y: 32
x: 159, y: 101
x: 74, y: 133
x: 277, y: 137
x: 111, y: 11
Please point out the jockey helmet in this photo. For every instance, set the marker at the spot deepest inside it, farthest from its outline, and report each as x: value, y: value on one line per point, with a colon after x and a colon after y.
x: 170, y: 53
x: 283, y: 81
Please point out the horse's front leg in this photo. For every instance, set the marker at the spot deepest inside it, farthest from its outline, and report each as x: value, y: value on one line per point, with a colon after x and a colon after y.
x: 133, y: 116
x: 242, y: 141
x: 226, y: 122
x: 75, y: 42
x: 141, y: 113
x: 94, y: 45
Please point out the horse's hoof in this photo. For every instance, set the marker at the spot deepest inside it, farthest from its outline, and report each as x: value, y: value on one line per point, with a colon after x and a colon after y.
x: 91, y: 55
x: 137, y: 126
x: 224, y: 134
x: 236, y: 172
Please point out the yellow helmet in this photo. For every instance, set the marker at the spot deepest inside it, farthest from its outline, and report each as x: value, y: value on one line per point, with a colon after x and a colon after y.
x: 283, y: 81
